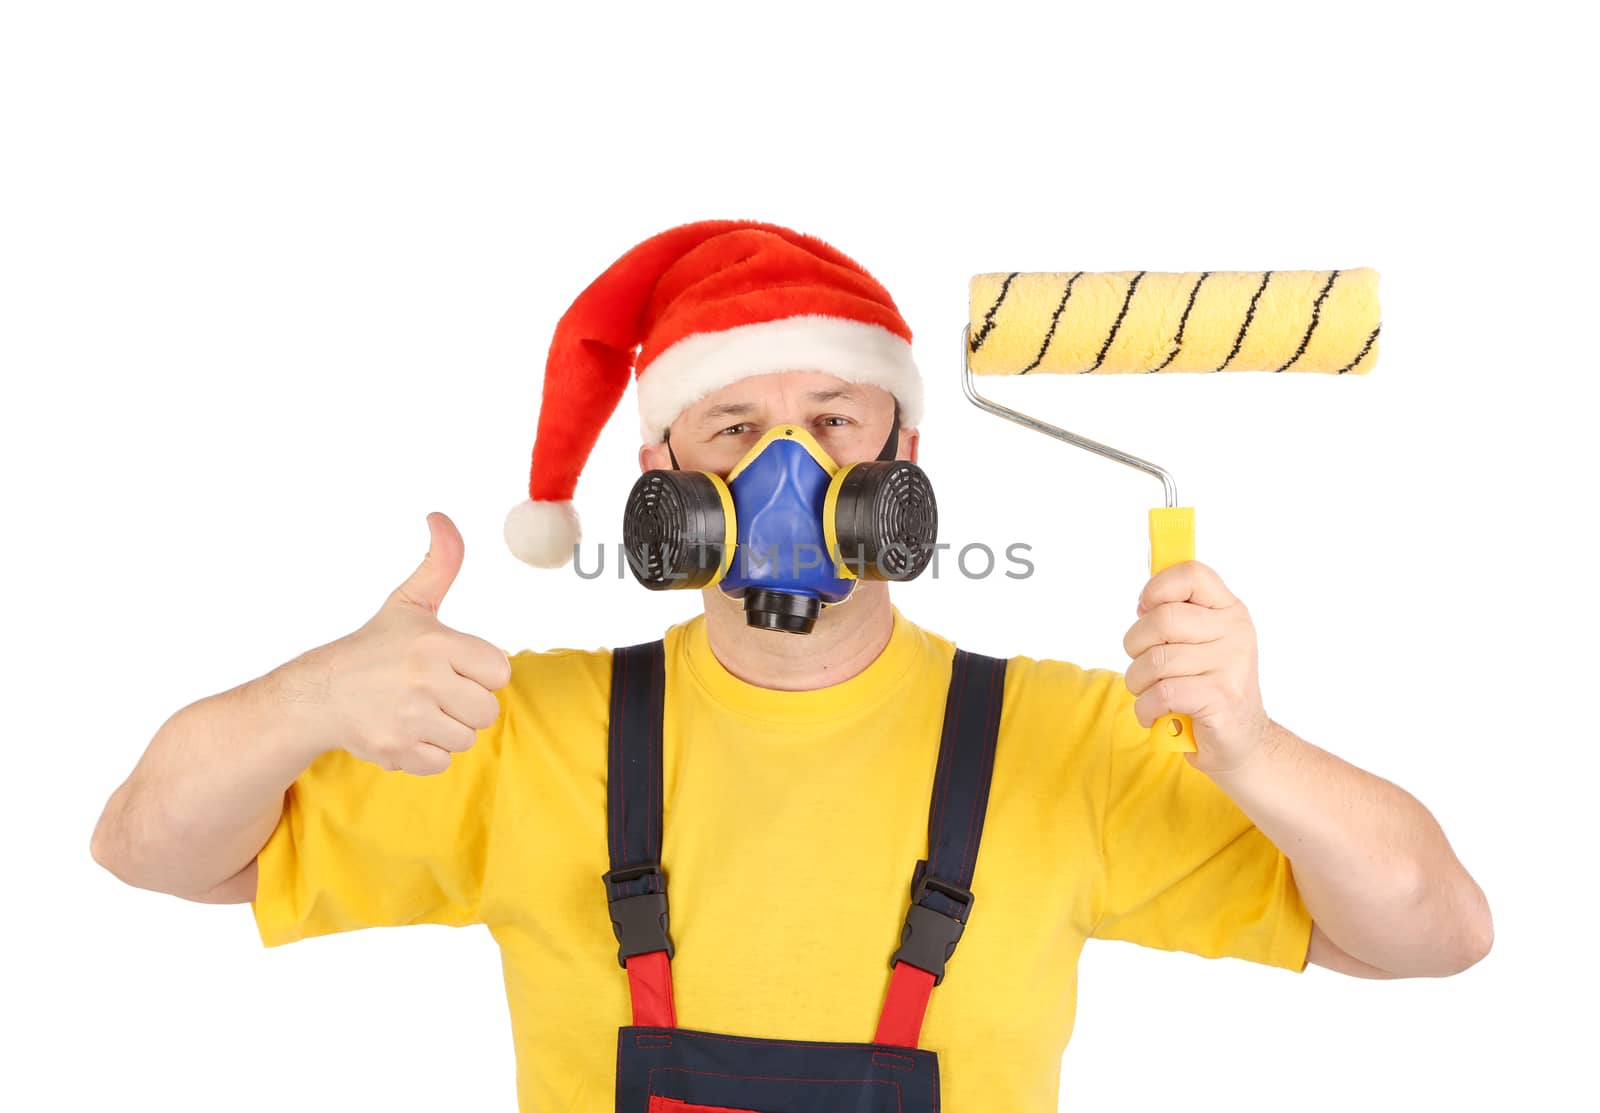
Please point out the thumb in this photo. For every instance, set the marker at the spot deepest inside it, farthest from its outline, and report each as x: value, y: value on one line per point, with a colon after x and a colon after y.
x: 425, y: 588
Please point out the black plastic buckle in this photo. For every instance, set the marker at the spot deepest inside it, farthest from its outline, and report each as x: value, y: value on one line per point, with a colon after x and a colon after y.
x: 930, y: 937
x: 954, y: 892
x: 639, y: 922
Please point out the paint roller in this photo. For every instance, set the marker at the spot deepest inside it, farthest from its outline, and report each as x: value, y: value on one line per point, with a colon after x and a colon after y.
x: 1145, y: 322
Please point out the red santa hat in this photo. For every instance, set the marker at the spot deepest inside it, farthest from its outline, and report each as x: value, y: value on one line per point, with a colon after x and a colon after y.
x: 689, y: 311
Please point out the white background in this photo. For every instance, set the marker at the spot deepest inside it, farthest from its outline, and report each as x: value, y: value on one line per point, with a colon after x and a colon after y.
x: 278, y: 280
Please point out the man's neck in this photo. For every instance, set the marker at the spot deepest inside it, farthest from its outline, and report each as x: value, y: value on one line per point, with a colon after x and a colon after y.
x: 846, y: 639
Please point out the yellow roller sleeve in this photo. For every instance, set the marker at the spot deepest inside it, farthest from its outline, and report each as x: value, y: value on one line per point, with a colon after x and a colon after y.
x: 1172, y: 542
x: 1140, y: 322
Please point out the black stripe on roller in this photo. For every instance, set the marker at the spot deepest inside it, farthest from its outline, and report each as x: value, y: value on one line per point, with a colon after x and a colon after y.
x: 1115, y: 325
x: 1054, y: 317
x: 1362, y: 354
x: 1177, y: 341
x: 988, y: 318
x: 1238, y: 341
x: 1316, y: 314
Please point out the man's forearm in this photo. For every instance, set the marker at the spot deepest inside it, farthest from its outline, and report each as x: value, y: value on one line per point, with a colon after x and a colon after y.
x: 1371, y: 863
x: 209, y: 789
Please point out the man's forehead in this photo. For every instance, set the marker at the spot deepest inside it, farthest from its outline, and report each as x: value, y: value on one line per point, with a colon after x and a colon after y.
x: 751, y: 395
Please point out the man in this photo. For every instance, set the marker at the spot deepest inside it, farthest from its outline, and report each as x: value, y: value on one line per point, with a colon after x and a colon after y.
x: 410, y: 773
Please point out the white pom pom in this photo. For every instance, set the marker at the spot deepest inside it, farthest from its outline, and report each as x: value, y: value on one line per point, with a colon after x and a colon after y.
x: 542, y: 533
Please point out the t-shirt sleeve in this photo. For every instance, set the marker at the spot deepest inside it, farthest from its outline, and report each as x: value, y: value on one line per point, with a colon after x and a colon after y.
x: 358, y: 846
x: 1185, y: 868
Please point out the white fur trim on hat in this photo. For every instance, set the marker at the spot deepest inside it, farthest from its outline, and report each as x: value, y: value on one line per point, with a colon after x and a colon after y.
x: 698, y: 365
x: 542, y: 533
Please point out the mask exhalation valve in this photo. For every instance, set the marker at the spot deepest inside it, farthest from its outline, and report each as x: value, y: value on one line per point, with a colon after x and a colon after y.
x: 780, y: 610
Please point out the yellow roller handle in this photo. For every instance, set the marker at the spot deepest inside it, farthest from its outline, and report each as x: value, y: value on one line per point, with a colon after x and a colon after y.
x: 1172, y: 542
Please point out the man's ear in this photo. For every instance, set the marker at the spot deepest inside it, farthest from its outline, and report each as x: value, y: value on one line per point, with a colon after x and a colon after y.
x: 910, y: 436
x: 651, y: 457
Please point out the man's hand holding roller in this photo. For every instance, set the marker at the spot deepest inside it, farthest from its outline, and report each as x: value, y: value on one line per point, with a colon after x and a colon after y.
x: 404, y: 692
x: 1387, y: 895
x: 1194, y: 653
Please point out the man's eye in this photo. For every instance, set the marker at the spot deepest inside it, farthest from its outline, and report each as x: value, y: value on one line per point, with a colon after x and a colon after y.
x: 838, y: 418
x: 733, y: 428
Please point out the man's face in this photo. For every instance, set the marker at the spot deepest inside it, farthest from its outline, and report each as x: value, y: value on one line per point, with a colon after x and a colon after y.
x: 849, y: 420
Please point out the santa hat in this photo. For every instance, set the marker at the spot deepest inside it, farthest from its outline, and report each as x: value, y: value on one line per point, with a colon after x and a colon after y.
x: 689, y: 311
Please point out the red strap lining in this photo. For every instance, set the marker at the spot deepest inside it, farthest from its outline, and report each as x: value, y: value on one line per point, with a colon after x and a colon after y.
x: 659, y: 1104
x: 900, y: 1023
x: 650, y: 985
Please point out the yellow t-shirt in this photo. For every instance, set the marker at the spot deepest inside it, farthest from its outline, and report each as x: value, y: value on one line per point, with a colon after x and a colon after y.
x: 792, y: 824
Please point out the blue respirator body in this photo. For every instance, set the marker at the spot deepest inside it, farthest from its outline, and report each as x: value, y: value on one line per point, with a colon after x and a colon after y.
x: 789, y: 530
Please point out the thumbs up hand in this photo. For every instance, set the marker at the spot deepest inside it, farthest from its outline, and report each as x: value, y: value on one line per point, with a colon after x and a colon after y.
x: 405, y: 691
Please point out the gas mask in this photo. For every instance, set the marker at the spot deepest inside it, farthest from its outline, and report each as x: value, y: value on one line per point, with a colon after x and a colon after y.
x: 789, y: 531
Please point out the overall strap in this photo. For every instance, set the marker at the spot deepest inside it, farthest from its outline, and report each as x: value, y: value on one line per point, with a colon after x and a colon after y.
x: 941, y: 885
x: 636, y: 889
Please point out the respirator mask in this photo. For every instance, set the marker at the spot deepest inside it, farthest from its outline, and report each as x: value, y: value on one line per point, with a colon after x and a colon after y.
x: 789, y: 531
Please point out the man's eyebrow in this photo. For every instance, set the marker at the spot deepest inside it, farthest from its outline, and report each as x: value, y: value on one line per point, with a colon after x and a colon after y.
x: 729, y: 409
x: 844, y: 392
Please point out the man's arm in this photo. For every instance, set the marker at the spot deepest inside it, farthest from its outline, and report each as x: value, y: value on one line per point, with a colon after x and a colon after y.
x: 208, y: 790
x: 1373, y: 866
x: 238, y: 889
x: 1324, y: 952
x: 403, y: 692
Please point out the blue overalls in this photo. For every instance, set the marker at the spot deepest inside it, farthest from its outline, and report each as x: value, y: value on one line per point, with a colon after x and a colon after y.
x: 662, y: 1068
